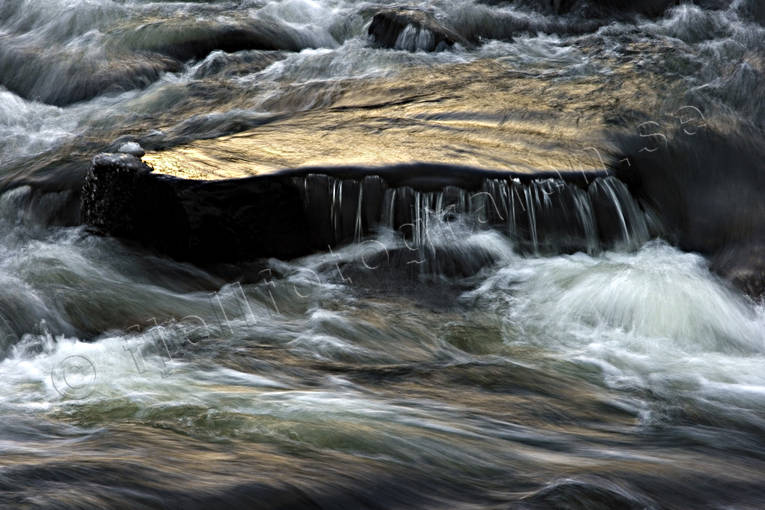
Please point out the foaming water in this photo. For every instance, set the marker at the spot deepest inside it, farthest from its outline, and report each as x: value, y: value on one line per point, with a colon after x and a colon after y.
x: 648, y: 319
x: 29, y: 128
x: 322, y: 357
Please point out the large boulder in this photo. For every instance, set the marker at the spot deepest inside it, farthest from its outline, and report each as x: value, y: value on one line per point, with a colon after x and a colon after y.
x: 295, y: 212
x: 704, y: 190
x: 413, y: 30
x: 199, y: 221
x: 743, y: 265
x: 706, y: 187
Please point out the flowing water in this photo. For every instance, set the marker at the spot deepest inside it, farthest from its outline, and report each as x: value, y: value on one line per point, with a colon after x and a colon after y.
x: 479, y: 357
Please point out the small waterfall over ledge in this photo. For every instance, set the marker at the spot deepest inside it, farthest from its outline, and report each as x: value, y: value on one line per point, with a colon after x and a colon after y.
x: 297, y: 212
x: 540, y: 216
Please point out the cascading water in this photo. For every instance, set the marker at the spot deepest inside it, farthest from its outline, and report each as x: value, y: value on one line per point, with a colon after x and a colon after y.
x: 541, y: 216
x: 549, y: 335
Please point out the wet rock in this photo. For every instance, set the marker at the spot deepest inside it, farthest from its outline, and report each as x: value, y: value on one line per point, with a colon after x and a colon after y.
x: 60, y: 76
x: 706, y: 187
x: 187, y: 39
x: 133, y: 149
x: 295, y: 212
x: 117, y: 199
x: 413, y: 30
x: 744, y: 267
x: 198, y: 221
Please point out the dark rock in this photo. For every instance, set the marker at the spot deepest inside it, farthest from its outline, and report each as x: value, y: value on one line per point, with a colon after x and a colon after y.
x: 185, y: 39
x: 743, y: 266
x: 292, y: 213
x: 199, y: 221
x: 122, y: 198
x: 412, y: 30
x: 706, y: 186
x: 244, y: 219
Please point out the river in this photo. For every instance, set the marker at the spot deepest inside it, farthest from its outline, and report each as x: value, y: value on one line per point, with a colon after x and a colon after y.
x: 476, y: 373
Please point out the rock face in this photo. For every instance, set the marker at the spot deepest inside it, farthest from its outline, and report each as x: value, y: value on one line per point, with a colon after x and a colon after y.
x: 744, y: 266
x: 706, y: 186
x: 198, y: 221
x: 121, y: 198
x: 292, y: 213
x: 702, y: 192
x: 412, y: 30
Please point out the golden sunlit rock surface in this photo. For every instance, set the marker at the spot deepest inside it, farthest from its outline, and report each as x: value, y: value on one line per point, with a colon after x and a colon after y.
x: 483, y: 114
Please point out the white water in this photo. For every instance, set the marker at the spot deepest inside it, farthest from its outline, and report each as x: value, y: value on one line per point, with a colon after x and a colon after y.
x: 656, y: 320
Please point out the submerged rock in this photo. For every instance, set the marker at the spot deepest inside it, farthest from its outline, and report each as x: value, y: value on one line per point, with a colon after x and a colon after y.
x: 59, y: 76
x: 646, y: 7
x: 186, y: 39
x: 610, y: 8
x: 413, y: 30
x: 133, y: 57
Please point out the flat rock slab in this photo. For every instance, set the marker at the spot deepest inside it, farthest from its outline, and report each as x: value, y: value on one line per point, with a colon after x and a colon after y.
x: 285, y: 214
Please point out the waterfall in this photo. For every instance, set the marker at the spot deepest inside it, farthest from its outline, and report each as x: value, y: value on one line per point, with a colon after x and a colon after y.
x: 540, y: 216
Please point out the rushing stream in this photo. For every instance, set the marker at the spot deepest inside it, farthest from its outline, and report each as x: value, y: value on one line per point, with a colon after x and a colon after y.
x: 453, y: 363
